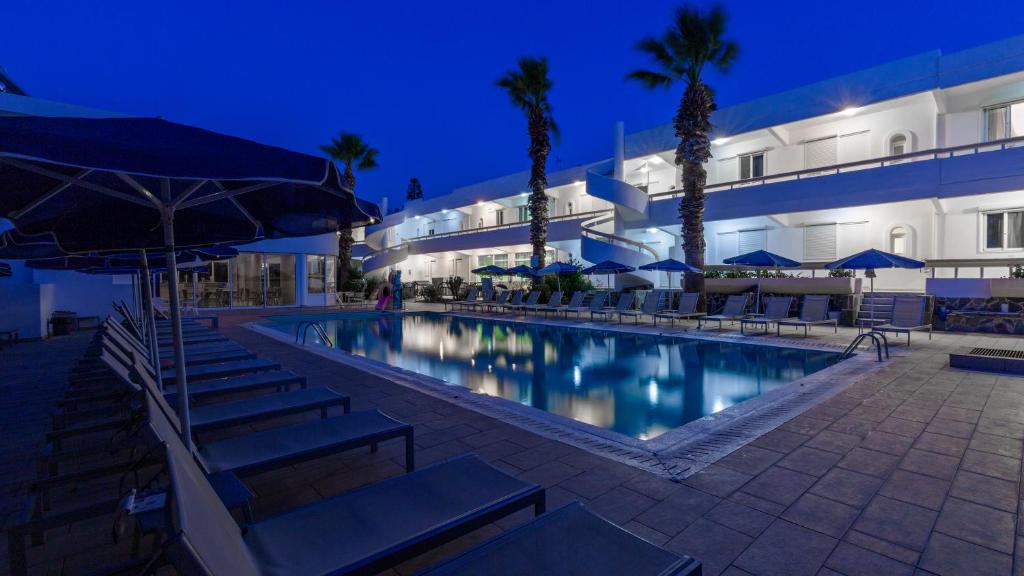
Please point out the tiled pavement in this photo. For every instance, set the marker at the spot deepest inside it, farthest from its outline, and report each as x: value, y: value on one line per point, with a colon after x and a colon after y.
x: 915, y: 470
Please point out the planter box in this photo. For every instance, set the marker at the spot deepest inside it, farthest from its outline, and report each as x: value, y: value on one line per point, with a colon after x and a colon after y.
x: 830, y: 286
x: 729, y: 285
x: 1008, y: 287
x: 959, y: 287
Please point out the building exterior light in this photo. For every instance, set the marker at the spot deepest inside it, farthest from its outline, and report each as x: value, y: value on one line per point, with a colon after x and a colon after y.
x: 849, y: 111
x: 719, y: 141
x: 652, y: 230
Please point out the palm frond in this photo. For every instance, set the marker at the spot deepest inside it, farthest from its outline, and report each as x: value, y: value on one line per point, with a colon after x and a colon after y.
x: 651, y: 79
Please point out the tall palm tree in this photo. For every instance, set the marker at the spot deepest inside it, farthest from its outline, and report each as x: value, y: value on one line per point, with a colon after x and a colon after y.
x: 528, y: 86
x: 350, y: 150
x: 694, y: 40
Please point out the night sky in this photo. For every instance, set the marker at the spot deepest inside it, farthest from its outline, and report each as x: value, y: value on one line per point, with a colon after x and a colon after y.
x: 416, y: 79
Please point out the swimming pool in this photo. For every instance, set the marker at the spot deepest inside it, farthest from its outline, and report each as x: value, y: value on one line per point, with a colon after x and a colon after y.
x: 634, y: 384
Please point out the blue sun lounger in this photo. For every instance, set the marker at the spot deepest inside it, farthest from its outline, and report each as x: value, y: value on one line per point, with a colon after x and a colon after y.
x: 571, y: 541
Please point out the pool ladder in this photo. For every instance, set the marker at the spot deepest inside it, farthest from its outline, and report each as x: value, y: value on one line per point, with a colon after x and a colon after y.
x: 302, y: 330
x: 879, y: 340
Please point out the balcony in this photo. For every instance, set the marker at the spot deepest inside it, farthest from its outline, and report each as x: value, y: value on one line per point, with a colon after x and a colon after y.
x: 938, y: 173
x: 565, y: 227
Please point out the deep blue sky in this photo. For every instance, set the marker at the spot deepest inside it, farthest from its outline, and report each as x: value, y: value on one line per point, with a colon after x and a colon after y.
x: 416, y: 78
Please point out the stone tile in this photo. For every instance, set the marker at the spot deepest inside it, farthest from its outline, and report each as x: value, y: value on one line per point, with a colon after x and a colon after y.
x: 986, y: 490
x: 853, y: 560
x: 718, y: 480
x: 779, y: 485
x: 806, y: 425
x: 647, y: 533
x: 908, y: 428
x: 785, y: 549
x: 883, y: 547
x: 715, y: 545
x: 734, y: 571
x: 652, y: 486
x: 750, y: 460
x: 930, y: 464
x: 916, y: 489
x: 941, y: 444
x: 853, y: 426
x: 766, y: 506
x: 621, y: 505
x: 951, y: 428
x: 1009, y: 447
x: 869, y: 462
x: 834, y: 442
x: 1004, y: 428
x: 781, y: 440
x: 593, y: 483
x: 991, y: 465
x: 898, y: 522
x: 550, y: 473
x: 948, y: 556
x: 810, y: 461
x: 676, y: 512
x: 847, y: 486
x: 822, y: 515
x: 914, y: 413
x: 740, y: 518
x: 977, y: 524
x: 959, y: 414
x: 887, y: 442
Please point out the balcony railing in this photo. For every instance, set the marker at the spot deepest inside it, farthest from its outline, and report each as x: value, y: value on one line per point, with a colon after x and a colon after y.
x: 932, y: 154
x: 587, y: 230
x: 564, y: 217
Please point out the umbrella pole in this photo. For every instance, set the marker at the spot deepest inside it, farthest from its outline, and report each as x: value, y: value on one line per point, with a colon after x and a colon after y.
x: 181, y: 379
x: 149, y: 320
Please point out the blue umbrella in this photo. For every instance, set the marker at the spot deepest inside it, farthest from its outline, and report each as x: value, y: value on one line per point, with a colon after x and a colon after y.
x: 522, y: 271
x: 489, y: 270
x: 608, y: 267
x: 558, y: 268
x: 116, y: 184
x: 871, y: 259
x: 669, y: 266
x: 762, y: 259
x: 5, y: 269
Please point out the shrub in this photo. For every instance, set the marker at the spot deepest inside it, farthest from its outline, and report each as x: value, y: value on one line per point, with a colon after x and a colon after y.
x: 840, y: 273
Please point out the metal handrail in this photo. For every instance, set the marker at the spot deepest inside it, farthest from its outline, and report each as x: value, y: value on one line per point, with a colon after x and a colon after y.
x: 586, y: 229
x: 563, y: 217
x: 878, y: 338
x: 931, y: 154
x: 319, y: 329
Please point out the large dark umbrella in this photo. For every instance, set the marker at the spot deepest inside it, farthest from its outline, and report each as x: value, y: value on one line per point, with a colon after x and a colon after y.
x: 870, y: 260
x: 116, y: 184
x: 608, y: 267
x: 489, y: 270
x: 522, y: 271
x: 761, y: 259
x: 669, y: 266
x: 558, y: 268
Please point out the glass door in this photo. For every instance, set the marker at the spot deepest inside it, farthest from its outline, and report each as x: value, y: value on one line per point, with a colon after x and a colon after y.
x: 247, y: 280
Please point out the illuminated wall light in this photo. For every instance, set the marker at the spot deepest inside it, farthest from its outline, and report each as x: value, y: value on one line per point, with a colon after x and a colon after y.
x: 849, y: 111
x: 652, y: 230
x: 719, y: 141
x: 578, y: 183
x: 479, y: 202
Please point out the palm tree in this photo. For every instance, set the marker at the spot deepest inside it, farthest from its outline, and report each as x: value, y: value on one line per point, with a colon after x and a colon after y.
x: 528, y: 87
x: 350, y: 150
x: 693, y: 41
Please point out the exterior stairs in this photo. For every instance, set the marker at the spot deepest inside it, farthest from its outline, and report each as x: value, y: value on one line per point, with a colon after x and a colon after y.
x: 876, y: 308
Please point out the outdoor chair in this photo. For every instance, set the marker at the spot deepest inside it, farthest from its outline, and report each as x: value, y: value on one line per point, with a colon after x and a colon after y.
x: 650, y: 307
x: 553, y: 304
x: 531, y: 300
x: 487, y: 298
x: 569, y: 541
x: 624, y: 303
x: 498, y: 302
x: 909, y: 314
x: 734, y: 309
x: 776, y: 308
x: 813, y: 312
x: 470, y: 297
x: 686, y: 310
x: 515, y: 300
x: 575, y: 304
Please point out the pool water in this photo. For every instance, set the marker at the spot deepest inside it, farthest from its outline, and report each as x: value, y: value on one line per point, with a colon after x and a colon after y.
x: 634, y: 384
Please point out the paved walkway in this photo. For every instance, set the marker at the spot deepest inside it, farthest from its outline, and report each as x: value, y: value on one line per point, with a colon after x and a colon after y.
x: 915, y: 470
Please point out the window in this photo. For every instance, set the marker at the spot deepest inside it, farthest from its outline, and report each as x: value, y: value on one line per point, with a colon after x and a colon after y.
x: 751, y: 240
x: 522, y: 213
x: 898, y: 241
x: 331, y: 273
x: 751, y: 166
x: 820, y: 243
x: 247, y: 280
x: 523, y: 258
x: 819, y: 153
x: 499, y: 217
x: 897, y: 145
x: 1005, y: 121
x: 213, y: 288
x: 280, y: 279
x: 501, y: 260
x: 315, y: 274
x: 1004, y: 230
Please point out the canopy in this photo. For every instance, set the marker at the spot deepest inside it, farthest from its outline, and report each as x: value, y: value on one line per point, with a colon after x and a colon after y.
x: 522, y: 270
x: 490, y: 270
x: 871, y: 259
x: 670, y: 265
x: 608, y: 267
x: 558, y: 268
x: 762, y: 258
x: 129, y: 263
x: 109, y: 183
x: 5, y: 269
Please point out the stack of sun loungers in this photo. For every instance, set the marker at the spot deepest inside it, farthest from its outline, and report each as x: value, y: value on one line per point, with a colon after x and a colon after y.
x: 115, y: 452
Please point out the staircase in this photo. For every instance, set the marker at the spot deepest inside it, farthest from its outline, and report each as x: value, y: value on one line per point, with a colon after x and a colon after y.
x: 876, y: 307
x: 597, y: 246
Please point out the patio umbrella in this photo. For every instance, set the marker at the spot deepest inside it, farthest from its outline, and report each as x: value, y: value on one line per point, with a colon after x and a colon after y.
x: 5, y: 269
x: 870, y: 260
x: 558, y: 268
x: 761, y: 259
x: 489, y: 270
x: 669, y: 266
x: 521, y: 271
x: 117, y: 184
x: 608, y: 267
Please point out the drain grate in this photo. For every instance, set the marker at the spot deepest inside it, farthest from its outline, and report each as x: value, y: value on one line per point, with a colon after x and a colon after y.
x: 998, y: 353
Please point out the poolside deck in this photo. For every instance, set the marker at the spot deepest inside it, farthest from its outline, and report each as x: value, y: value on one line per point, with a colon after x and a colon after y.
x: 914, y: 470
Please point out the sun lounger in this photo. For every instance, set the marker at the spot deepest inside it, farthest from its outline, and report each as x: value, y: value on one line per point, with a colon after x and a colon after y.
x: 498, y: 303
x: 221, y: 370
x: 776, y: 308
x: 596, y: 303
x: 531, y: 300
x: 470, y: 297
x: 515, y: 300
x: 813, y: 312
x: 363, y: 531
x: 686, y: 310
x: 575, y: 304
x: 553, y: 303
x: 624, y: 303
x: 734, y: 309
x: 650, y: 307
x: 487, y: 298
x: 571, y: 541
x: 909, y: 314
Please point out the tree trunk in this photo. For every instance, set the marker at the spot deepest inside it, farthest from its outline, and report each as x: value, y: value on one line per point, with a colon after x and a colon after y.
x: 692, y: 125
x: 348, y: 180
x: 540, y: 146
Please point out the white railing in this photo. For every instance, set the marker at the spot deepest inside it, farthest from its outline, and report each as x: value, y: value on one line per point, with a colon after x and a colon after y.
x: 467, y: 231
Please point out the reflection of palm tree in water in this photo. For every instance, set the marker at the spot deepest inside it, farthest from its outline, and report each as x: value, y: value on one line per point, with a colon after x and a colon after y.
x: 538, y: 380
x: 693, y: 381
